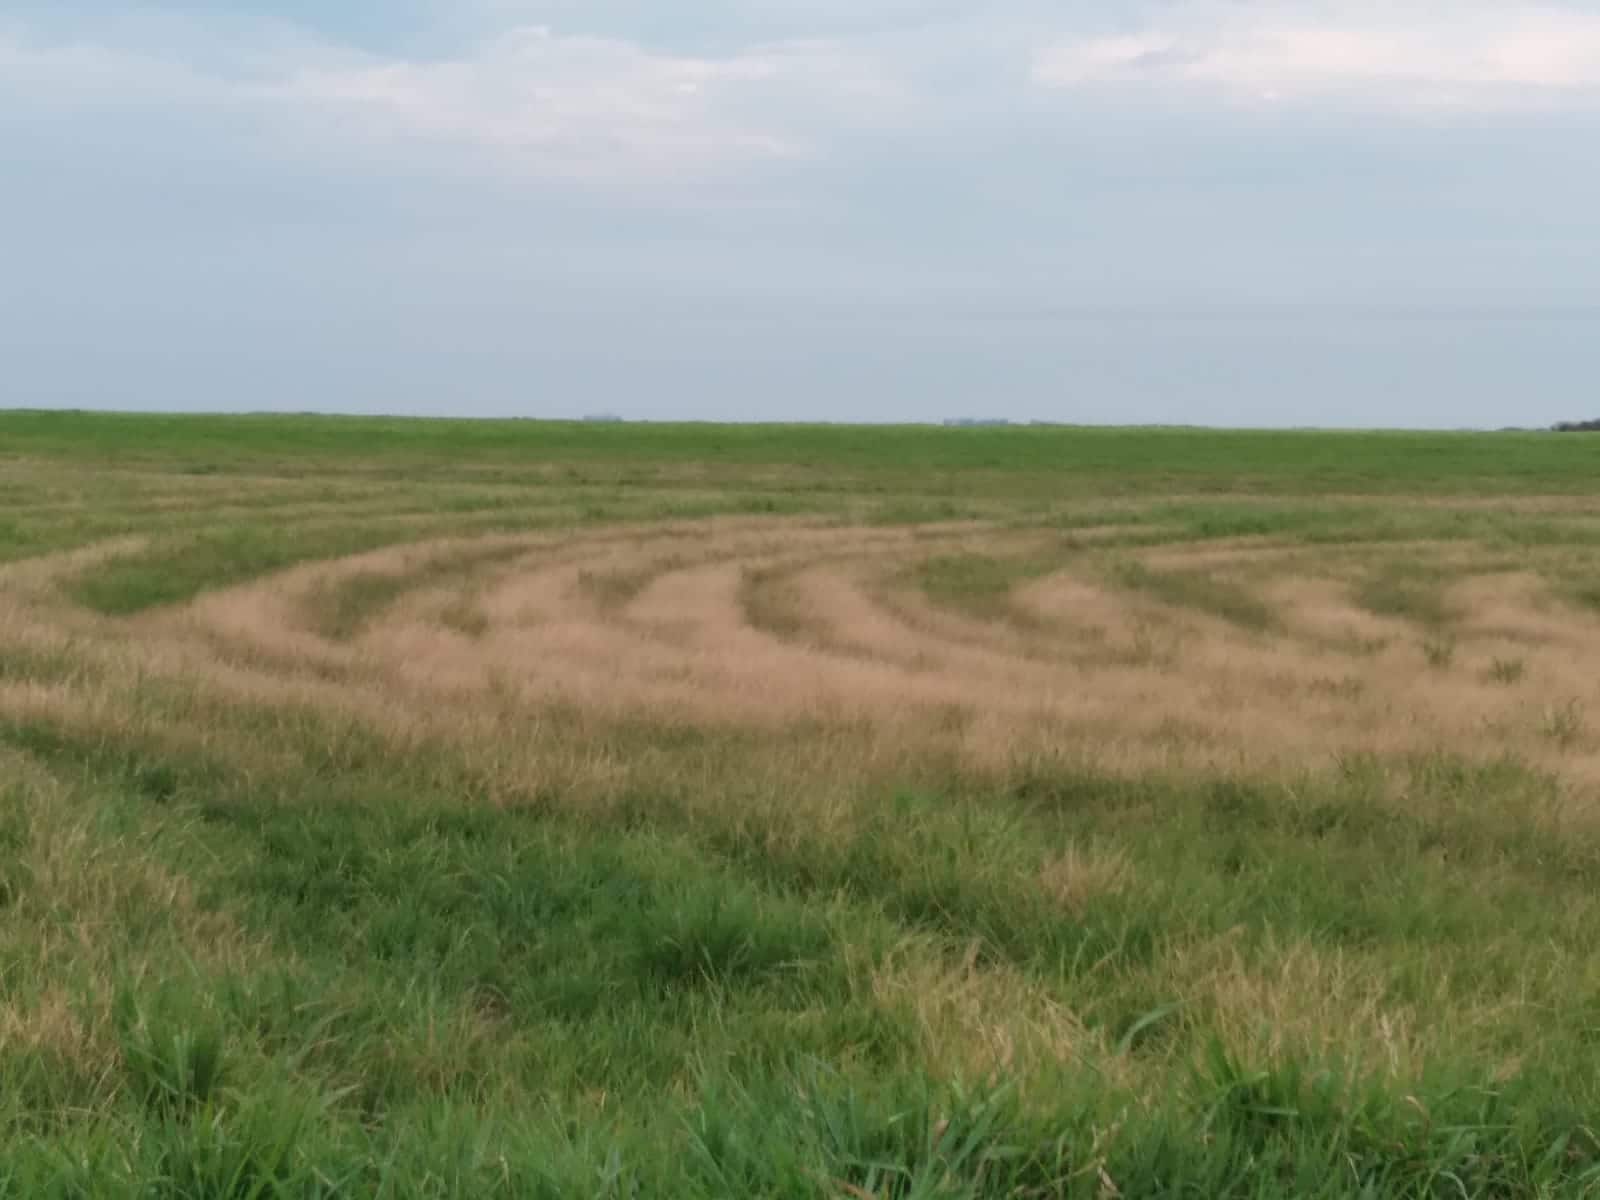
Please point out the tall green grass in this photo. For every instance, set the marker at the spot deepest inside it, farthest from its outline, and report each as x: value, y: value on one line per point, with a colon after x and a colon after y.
x: 442, y: 998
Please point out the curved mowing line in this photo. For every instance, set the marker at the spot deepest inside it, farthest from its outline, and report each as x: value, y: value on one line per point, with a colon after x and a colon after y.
x: 757, y: 622
x: 352, y: 603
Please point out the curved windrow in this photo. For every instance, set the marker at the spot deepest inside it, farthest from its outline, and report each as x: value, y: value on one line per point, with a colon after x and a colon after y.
x: 1242, y: 651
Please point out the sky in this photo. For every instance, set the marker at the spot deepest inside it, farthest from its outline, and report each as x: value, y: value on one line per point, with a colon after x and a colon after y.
x: 1216, y: 212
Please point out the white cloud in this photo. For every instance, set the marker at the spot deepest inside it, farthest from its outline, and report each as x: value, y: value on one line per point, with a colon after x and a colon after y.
x: 1441, y: 52
x: 579, y: 104
x: 84, y: 73
x: 530, y: 99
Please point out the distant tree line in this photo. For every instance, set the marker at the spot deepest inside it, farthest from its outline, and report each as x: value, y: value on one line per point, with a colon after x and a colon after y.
x: 1578, y: 426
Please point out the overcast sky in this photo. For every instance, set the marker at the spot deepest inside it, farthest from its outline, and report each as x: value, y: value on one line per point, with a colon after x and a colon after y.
x: 1256, y: 212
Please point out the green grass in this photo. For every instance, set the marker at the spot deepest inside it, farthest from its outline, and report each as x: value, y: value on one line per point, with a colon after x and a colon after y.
x: 1083, y: 459
x: 261, y: 944
x: 426, y: 970
x: 1406, y: 591
x: 1198, y: 590
x: 179, y: 569
x: 345, y: 607
x: 979, y: 584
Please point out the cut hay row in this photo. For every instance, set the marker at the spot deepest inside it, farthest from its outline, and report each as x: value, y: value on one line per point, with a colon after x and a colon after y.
x: 767, y: 622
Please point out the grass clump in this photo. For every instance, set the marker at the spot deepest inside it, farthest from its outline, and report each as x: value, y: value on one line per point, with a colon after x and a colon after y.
x: 173, y: 1054
x: 1564, y: 724
x: 1507, y: 671
x: 1440, y: 651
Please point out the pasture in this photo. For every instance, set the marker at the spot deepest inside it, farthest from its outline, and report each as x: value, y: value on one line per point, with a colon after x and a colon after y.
x: 472, y: 809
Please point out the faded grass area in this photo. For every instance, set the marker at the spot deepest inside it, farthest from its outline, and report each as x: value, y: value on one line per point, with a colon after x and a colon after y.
x: 632, y: 826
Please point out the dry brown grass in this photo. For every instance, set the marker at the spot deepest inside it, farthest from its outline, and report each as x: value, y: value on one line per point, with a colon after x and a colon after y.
x: 976, y: 1022
x: 1285, y: 1006
x: 1070, y: 666
x: 65, y: 923
x: 1078, y: 877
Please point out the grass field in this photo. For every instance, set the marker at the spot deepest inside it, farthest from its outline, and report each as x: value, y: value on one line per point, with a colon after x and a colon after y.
x: 452, y: 809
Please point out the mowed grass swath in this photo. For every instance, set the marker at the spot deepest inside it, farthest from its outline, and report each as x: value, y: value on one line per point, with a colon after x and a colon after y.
x: 430, y: 809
